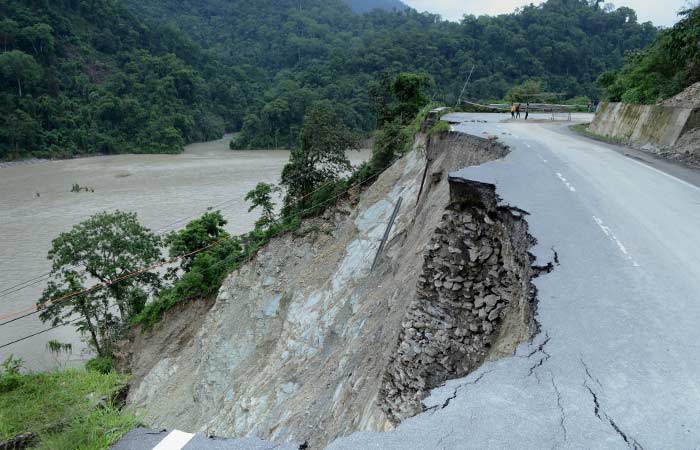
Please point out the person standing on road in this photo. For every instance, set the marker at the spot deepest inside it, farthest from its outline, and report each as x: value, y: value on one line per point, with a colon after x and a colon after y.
x: 527, y: 110
x: 512, y: 110
x: 517, y: 111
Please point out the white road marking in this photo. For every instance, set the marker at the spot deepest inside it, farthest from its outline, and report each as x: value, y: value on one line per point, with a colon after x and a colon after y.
x: 542, y: 158
x: 664, y: 174
x: 528, y: 145
x: 175, y: 440
x: 568, y: 185
x: 614, y: 238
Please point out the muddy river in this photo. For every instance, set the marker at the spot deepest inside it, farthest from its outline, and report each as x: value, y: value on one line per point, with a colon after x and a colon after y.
x: 36, y: 204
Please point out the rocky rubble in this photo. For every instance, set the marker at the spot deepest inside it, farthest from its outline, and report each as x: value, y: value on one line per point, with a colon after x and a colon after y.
x: 468, y: 281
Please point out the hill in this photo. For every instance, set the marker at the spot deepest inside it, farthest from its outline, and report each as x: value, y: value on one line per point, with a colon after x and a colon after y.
x: 89, y: 77
x: 81, y: 78
x: 663, y: 69
x: 297, y: 53
x: 365, y: 6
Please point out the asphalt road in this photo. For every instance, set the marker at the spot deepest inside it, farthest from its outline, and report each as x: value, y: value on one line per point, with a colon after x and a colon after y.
x: 616, y: 364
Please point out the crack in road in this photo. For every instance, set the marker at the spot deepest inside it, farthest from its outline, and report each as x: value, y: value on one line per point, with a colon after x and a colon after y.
x: 561, y: 407
x: 447, y: 401
x: 631, y: 442
x: 539, y: 349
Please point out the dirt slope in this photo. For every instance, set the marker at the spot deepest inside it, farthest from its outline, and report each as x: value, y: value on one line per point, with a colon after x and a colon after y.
x: 305, y: 344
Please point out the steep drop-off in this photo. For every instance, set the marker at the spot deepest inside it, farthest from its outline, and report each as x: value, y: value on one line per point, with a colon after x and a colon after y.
x: 305, y: 343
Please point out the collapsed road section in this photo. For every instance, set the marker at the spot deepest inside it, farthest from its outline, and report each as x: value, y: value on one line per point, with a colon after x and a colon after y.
x: 305, y: 343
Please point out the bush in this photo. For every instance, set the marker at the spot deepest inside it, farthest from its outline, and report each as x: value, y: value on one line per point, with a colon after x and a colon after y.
x: 101, y: 364
x: 10, y: 376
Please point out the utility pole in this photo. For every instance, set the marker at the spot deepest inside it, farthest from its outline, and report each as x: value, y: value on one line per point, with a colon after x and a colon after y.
x: 459, y: 100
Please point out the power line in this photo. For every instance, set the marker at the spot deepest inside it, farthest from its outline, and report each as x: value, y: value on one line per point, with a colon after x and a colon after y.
x: 100, y: 285
x: 161, y: 230
x: 38, y: 333
x: 2, y: 291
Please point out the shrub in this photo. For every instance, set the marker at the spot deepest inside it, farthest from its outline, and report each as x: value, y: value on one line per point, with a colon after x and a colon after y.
x: 101, y: 364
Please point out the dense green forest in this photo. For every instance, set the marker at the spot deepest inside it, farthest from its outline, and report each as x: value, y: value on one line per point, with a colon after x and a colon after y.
x: 365, y: 6
x: 661, y: 70
x: 89, y: 76
x: 86, y: 77
x: 304, y: 51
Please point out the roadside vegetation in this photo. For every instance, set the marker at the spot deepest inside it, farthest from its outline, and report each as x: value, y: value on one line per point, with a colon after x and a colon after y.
x: 81, y: 78
x: 661, y: 70
x: 66, y: 409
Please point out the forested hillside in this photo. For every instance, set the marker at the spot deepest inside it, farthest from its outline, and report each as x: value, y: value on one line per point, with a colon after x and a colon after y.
x: 300, y: 52
x: 661, y: 70
x: 364, y: 6
x: 88, y: 76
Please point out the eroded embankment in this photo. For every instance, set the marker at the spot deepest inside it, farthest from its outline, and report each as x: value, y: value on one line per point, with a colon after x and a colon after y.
x: 305, y: 343
x: 474, y: 298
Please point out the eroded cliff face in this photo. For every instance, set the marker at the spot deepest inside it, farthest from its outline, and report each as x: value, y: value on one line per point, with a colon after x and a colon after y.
x: 304, y: 343
x: 475, y: 278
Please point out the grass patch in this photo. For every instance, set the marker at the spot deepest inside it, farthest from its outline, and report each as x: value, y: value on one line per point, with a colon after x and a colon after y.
x: 60, y: 407
x: 584, y: 130
x: 440, y: 127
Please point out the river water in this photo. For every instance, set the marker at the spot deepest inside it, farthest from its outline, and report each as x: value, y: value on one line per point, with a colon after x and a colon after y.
x: 164, y: 190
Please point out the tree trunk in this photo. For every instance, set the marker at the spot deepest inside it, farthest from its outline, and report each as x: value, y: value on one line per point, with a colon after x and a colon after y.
x: 19, y: 86
x: 91, y: 327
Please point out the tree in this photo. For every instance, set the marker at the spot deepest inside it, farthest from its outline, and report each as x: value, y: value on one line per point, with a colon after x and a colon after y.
x: 8, y: 32
x: 320, y: 155
x: 113, y: 249
x: 408, y: 88
x: 196, y: 235
x: 40, y: 36
x: 261, y: 197
x: 19, y: 66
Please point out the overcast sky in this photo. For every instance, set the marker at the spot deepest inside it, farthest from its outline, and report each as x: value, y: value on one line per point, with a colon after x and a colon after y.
x: 660, y: 12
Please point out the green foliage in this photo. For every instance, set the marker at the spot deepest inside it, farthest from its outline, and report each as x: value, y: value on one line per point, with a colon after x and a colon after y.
x: 89, y: 78
x: 528, y: 91
x: 57, y: 347
x: 290, y: 55
x: 10, y: 374
x: 389, y: 141
x: 319, y: 156
x: 59, y: 407
x: 661, y: 70
x: 203, y: 277
x: 105, y: 247
x: 440, y: 127
x: 409, y: 91
x: 101, y: 364
x: 198, y: 234
x: 261, y: 197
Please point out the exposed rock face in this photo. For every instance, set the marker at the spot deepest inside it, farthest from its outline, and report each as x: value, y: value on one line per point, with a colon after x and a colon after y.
x: 476, y: 274
x: 297, y: 344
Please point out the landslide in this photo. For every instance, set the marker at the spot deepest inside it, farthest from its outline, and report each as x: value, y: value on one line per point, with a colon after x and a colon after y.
x: 305, y: 343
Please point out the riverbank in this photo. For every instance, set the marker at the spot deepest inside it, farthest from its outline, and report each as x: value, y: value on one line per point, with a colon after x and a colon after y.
x: 166, y: 191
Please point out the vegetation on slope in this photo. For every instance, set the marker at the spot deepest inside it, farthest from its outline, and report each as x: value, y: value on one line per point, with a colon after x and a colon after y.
x: 66, y: 409
x: 295, y: 53
x: 79, y: 77
x: 364, y: 6
x: 661, y: 70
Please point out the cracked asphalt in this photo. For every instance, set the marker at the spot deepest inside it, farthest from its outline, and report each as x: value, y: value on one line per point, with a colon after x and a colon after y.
x: 616, y: 364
